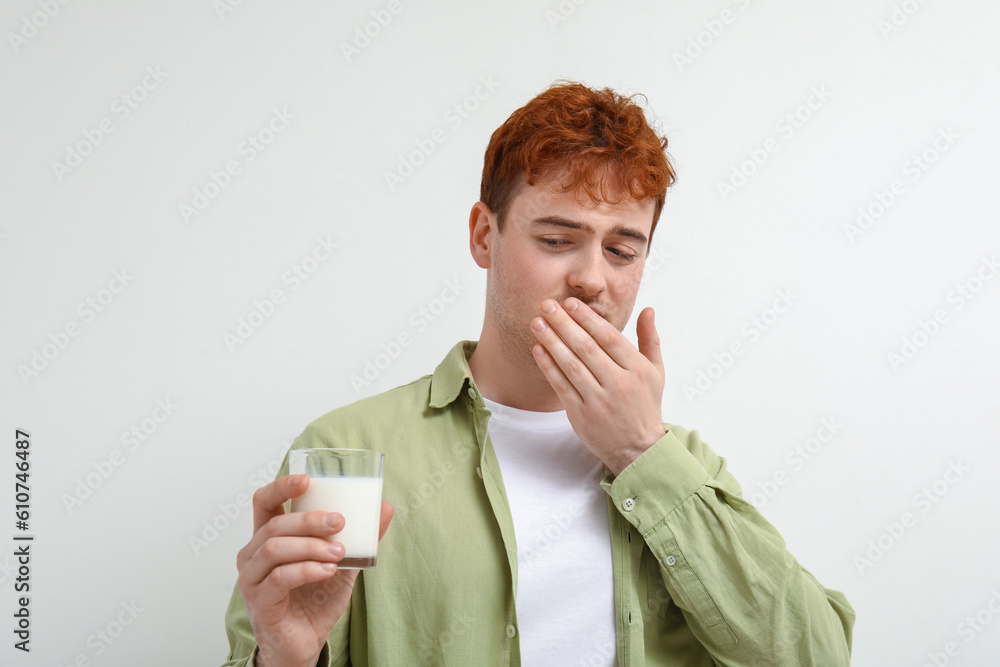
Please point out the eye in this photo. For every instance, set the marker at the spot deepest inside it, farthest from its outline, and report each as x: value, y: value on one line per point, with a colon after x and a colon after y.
x: 554, y: 243
x: 621, y: 255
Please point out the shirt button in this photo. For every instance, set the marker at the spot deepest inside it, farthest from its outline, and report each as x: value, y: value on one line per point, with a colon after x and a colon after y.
x: 628, y: 504
x: 472, y: 393
x: 479, y: 471
x: 671, y: 560
x: 511, y: 631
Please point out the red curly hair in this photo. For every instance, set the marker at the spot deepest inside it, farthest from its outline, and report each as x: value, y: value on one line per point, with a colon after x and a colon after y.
x: 600, y: 137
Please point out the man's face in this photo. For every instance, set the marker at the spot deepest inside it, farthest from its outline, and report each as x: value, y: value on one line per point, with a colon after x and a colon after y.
x: 555, y: 245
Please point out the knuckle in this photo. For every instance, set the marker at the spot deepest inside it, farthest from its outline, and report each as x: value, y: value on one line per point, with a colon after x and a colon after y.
x: 266, y: 531
x: 588, y: 346
x: 316, y: 520
x: 318, y: 549
x: 279, y: 576
x: 270, y: 549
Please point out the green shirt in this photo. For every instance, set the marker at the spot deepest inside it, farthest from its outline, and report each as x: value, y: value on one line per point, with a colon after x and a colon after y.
x: 700, y: 577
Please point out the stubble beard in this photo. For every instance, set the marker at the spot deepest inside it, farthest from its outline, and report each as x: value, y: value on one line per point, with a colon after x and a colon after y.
x: 515, y: 337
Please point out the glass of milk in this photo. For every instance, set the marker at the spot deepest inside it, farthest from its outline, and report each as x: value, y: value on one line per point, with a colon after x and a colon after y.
x: 348, y: 481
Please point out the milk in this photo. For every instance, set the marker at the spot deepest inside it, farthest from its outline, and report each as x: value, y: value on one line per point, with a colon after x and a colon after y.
x: 359, y: 499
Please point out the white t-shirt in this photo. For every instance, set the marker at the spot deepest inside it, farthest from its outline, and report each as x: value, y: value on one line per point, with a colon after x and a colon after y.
x: 565, y: 584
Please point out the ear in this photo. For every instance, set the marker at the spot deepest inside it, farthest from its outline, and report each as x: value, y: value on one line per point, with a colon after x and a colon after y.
x: 482, y: 229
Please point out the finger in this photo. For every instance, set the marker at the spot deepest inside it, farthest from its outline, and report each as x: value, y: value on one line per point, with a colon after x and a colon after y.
x: 282, y: 580
x: 385, y: 516
x: 564, y: 389
x: 609, y: 340
x: 296, y: 524
x: 278, y: 551
x: 268, y: 499
x: 569, y: 364
x: 649, y: 338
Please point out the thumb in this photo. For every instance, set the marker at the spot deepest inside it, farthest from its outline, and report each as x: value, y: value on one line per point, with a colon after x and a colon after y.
x: 385, y: 516
x: 649, y: 339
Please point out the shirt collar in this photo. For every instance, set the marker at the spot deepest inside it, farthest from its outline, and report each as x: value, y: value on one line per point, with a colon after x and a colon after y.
x: 451, y: 374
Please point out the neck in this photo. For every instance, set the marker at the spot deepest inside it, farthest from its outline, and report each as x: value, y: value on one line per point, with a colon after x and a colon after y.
x: 511, y: 378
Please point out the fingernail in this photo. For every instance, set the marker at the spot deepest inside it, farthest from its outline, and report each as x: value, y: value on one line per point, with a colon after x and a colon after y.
x: 548, y: 307
x: 330, y: 520
x: 538, y: 325
x: 296, y: 480
x: 337, y: 549
x: 570, y: 304
x: 329, y: 567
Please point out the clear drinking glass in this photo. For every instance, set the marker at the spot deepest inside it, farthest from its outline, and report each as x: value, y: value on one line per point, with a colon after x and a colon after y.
x: 348, y: 481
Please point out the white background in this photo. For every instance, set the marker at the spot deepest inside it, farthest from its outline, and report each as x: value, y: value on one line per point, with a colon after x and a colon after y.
x: 889, y: 90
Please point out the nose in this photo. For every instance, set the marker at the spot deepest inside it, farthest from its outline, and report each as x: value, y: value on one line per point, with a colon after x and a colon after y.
x: 587, y: 275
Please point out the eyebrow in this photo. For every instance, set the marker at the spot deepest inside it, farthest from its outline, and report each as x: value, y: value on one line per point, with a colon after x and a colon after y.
x: 617, y: 230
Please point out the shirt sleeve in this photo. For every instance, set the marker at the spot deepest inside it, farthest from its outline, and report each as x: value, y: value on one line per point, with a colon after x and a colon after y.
x: 744, y: 596
x: 242, y: 643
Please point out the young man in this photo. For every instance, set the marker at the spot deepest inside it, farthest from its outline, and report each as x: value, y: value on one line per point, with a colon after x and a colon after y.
x: 544, y: 512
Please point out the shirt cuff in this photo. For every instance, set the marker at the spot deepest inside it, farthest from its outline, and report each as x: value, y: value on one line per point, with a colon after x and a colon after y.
x: 324, y: 656
x: 656, y: 483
